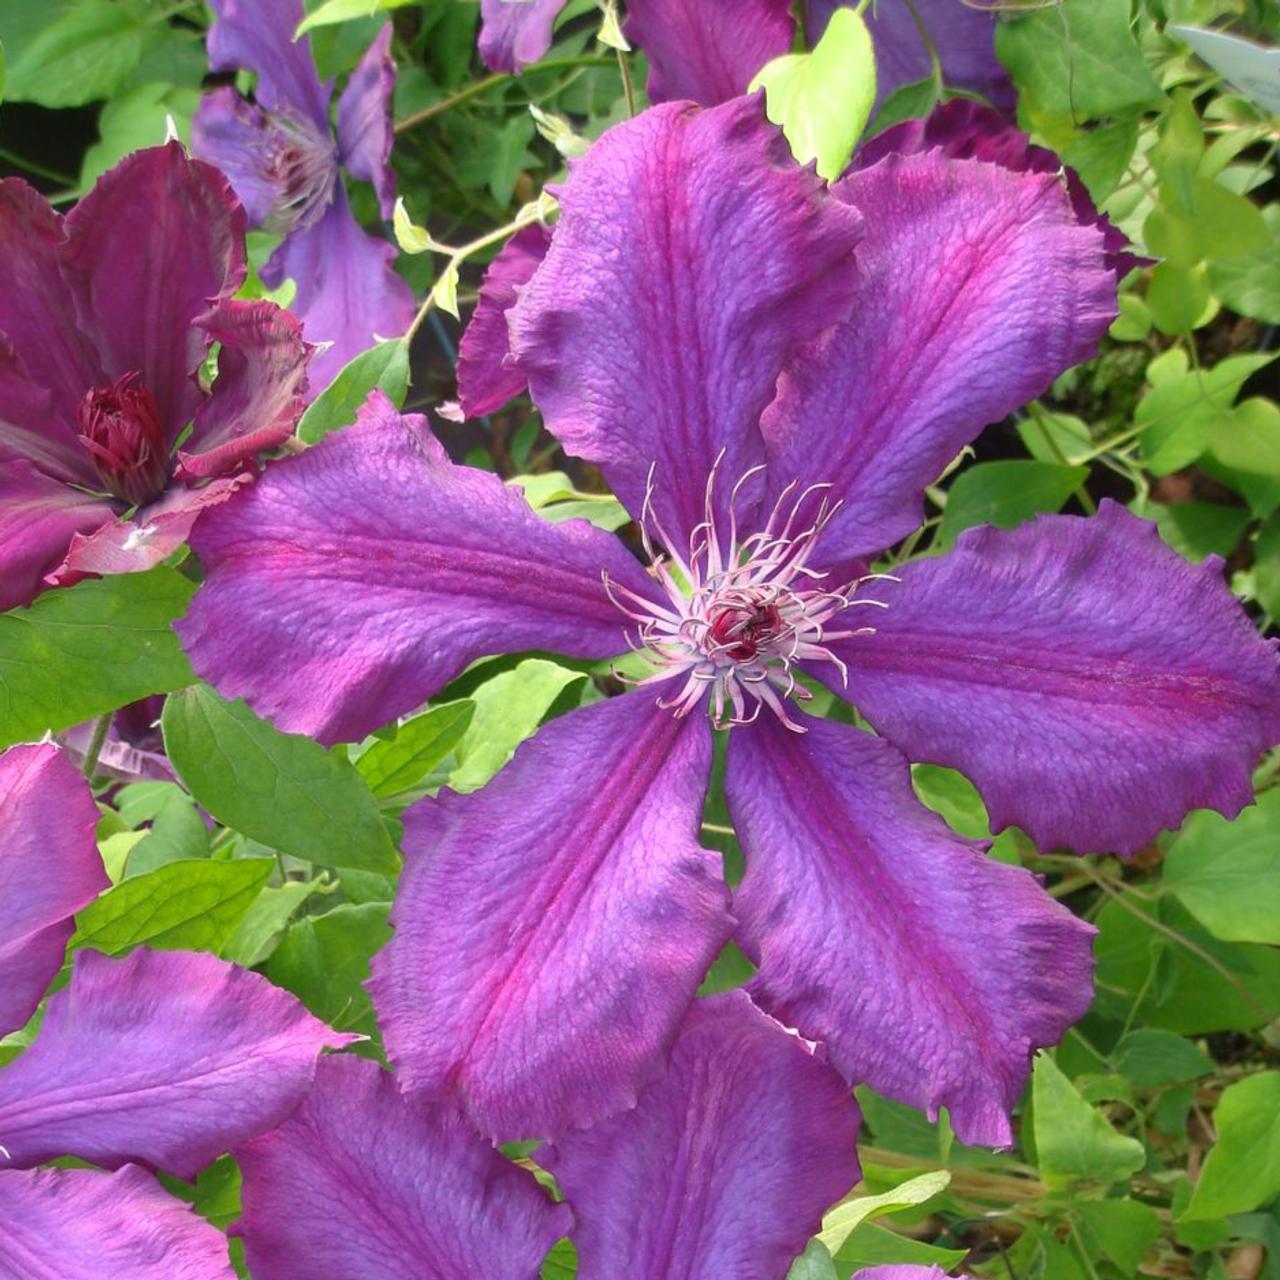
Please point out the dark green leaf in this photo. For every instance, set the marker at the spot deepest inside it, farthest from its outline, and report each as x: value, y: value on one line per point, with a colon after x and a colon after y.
x: 284, y: 790
x: 392, y: 765
x: 1123, y: 1229
x: 1149, y: 1058
x: 266, y: 920
x: 384, y: 367
x: 1199, y: 529
x: 1243, y: 1169
x: 1005, y: 494
x: 183, y: 906
x: 82, y: 650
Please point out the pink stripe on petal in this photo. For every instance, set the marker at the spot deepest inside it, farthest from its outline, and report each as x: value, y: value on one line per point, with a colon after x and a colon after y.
x: 551, y: 928
x: 359, y: 1182
x: 1093, y: 684
x: 725, y: 1165
x: 164, y: 1057
x: 931, y: 972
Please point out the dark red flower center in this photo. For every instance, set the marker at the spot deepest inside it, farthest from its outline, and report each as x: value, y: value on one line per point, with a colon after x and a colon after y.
x: 121, y: 430
x: 740, y: 632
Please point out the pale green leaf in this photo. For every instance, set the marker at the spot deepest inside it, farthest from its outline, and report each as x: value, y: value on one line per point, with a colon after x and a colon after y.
x: 1242, y: 1170
x: 384, y: 367
x: 840, y: 1223
x: 343, y: 11
x: 392, y: 765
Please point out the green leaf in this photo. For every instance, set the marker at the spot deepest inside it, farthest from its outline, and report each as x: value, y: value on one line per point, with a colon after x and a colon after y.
x: 1078, y: 58
x: 343, y: 11
x: 823, y: 99
x: 1074, y: 1142
x: 1248, y: 437
x: 815, y: 1263
x: 1123, y: 1229
x: 395, y: 764
x: 907, y: 102
x: 1179, y: 297
x: 1005, y: 494
x: 1251, y: 286
x: 552, y: 495
x: 324, y: 961
x: 266, y: 920
x: 1227, y: 873
x: 510, y: 155
x: 384, y: 367
x: 88, y: 52
x: 135, y: 119
x: 561, y: 1263
x: 1134, y: 321
x: 1243, y: 1169
x: 177, y: 834
x: 508, y: 709
x: 1266, y: 567
x: 281, y: 789
x: 185, y: 906
x: 1199, y: 529
x: 872, y: 1245
x: 80, y: 651
x: 1149, y: 1058
x: 1055, y: 437
x: 845, y: 1218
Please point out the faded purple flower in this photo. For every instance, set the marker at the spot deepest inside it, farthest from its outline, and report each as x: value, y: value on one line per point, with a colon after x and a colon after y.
x: 769, y: 372
x: 49, y: 869
x: 110, y: 443
x: 708, y: 51
x: 747, y: 1139
x: 285, y: 161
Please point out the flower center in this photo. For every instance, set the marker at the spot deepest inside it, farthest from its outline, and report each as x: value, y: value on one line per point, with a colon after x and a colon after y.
x: 122, y: 433
x: 301, y: 166
x: 740, y: 615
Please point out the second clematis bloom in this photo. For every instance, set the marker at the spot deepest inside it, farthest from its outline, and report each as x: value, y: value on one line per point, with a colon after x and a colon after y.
x: 111, y: 441
x: 769, y: 372
x: 285, y: 160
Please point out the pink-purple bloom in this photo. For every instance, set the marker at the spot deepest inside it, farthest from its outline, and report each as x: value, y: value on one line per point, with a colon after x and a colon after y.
x: 769, y: 372
x: 111, y: 440
x: 285, y: 160
x: 723, y: 1168
x: 708, y: 51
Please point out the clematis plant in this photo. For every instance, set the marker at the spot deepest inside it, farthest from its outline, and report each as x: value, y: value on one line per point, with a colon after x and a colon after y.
x: 750, y: 1133
x: 710, y: 52
x: 111, y: 442
x: 285, y: 161
x: 768, y: 372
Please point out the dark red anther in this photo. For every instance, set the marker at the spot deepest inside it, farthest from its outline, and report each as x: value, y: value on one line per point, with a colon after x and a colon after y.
x: 741, y: 632
x: 121, y: 431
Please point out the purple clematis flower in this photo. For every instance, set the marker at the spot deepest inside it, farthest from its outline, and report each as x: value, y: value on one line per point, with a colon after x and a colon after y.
x: 106, y: 319
x: 708, y: 51
x: 750, y: 1133
x: 769, y: 372
x: 285, y: 162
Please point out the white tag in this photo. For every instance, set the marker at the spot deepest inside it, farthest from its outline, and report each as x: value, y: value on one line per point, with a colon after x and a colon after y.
x: 1251, y: 68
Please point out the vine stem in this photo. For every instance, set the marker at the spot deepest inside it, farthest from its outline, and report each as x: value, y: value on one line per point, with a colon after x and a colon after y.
x: 94, y: 750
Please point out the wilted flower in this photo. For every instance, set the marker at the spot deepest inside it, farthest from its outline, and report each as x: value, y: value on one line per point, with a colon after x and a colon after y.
x: 710, y: 52
x: 723, y: 1168
x: 769, y: 372
x: 110, y: 441
x: 285, y: 162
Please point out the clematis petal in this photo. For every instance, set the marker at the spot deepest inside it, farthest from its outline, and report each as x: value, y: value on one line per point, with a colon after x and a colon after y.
x: 514, y: 33
x: 364, y: 120
x: 164, y: 1057
x: 963, y: 34
x: 37, y: 312
x: 348, y: 295
x: 487, y: 376
x: 726, y: 1164
x: 258, y: 393
x: 150, y: 537
x: 550, y: 929
x: 49, y: 869
x: 964, y: 129
x: 707, y: 51
x: 257, y: 35
x: 39, y: 519
x: 976, y: 287
x: 1093, y: 684
x: 692, y: 258
x: 233, y: 134
x: 157, y: 241
x: 360, y: 1182
x: 449, y: 564
x: 30, y: 428
x: 931, y: 972
x: 904, y: 1271
x: 79, y: 1224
